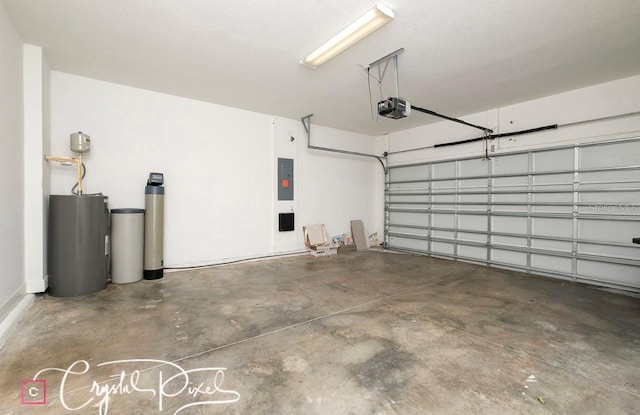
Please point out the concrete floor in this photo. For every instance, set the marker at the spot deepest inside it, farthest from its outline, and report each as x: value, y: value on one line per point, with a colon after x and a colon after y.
x: 354, y: 333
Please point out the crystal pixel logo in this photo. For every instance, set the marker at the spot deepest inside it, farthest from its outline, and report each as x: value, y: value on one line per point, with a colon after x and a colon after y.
x: 33, y: 392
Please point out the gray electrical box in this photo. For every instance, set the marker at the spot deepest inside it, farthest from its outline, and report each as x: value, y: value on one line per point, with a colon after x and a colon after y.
x: 285, y: 179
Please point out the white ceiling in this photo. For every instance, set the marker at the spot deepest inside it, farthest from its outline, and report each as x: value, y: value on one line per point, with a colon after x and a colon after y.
x: 461, y: 56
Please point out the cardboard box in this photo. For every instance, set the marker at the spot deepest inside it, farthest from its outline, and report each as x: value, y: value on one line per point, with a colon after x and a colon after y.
x: 324, y: 250
x: 317, y: 240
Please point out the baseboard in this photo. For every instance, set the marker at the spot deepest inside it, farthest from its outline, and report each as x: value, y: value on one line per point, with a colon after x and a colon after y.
x: 37, y: 286
x: 13, y: 317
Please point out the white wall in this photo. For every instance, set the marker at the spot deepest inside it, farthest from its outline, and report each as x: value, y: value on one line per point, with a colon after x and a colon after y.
x: 337, y: 188
x: 220, y: 162
x: 36, y: 169
x: 597, y: 101
x: 219, y: 165
x: 11, y: 166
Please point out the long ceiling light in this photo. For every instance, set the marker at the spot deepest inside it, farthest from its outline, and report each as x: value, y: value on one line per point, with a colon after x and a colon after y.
x: 366, y: 24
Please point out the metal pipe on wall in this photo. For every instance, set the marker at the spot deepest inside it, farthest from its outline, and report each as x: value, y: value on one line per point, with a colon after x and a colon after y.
x: 306, y: 123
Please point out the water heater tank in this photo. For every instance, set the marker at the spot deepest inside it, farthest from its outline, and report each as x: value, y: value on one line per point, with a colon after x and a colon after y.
x: 78, y: 248
x: 80, y: 142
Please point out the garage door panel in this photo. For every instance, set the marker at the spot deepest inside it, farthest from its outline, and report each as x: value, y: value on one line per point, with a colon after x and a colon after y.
x: 562, y: 209
x: 616, y: 176
x: 618, y: 274
x: 473, y: 208
x: 444, y: 170
x: 442, y: 248
x: 509, y: 257
x: 443, y: 186
x: 510, y: 240
x: 510, y: 164
x: 510, y: 198
x: 397, y: 200
x: 480, y: 199
x: 473, y: 167
x: 410, y: 173
x: 509, y: 225
x: 608, y: 231
x: 472, y: 222
x: 409, y: 230
x: 443, y: 220
x: 632, y: 252
x: 610, y: 155
x: 606, y: 202
x: 473, y: 237
x: 553, y: 160
x: 551, y: 263
x: 443, y: 202
x: 514, y: 208
x: 437, y: 233
x: 511, y: 183
x: 472, y: 184
x: 475, y: 252
x: 409, y: 187
x: 413, y: 244
x: 540, y: 182
x: 559, y: 246
x: 553, y: 197
x: 562, y: 228
x: 403, y: 218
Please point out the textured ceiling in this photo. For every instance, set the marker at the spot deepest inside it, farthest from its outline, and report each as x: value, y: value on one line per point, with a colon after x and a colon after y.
x: 461, y: 56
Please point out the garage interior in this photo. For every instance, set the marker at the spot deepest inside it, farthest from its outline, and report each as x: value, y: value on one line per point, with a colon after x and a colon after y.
x: 490, y: 150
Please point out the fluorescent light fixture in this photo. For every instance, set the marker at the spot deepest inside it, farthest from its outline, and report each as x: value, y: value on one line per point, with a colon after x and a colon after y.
x: 366, y: 24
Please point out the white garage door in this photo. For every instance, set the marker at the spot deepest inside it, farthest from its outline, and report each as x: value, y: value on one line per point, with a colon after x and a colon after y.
x: 569, y: 212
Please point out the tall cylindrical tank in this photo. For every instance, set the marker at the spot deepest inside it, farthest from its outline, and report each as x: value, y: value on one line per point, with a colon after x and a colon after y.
x: 154, y: 227
x: 77, y: 245
x: 127, y: 245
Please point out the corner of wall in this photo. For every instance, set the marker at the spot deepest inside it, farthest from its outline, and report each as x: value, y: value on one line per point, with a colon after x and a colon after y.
x: 35, y: 126
x: 12, y: 148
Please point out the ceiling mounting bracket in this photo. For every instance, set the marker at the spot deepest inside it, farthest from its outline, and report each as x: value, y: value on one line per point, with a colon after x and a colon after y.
x: 306, y: 123
x: 382, y: 71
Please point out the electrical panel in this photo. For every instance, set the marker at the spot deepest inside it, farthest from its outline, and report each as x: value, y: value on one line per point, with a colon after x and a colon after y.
x: 285, y: 179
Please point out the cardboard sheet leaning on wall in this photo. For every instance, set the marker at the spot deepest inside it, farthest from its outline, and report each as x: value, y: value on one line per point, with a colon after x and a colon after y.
x: 360, y: 238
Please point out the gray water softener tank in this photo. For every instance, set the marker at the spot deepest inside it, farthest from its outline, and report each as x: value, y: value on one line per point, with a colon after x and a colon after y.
x: 154, y: 227
x: 77, y: 245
